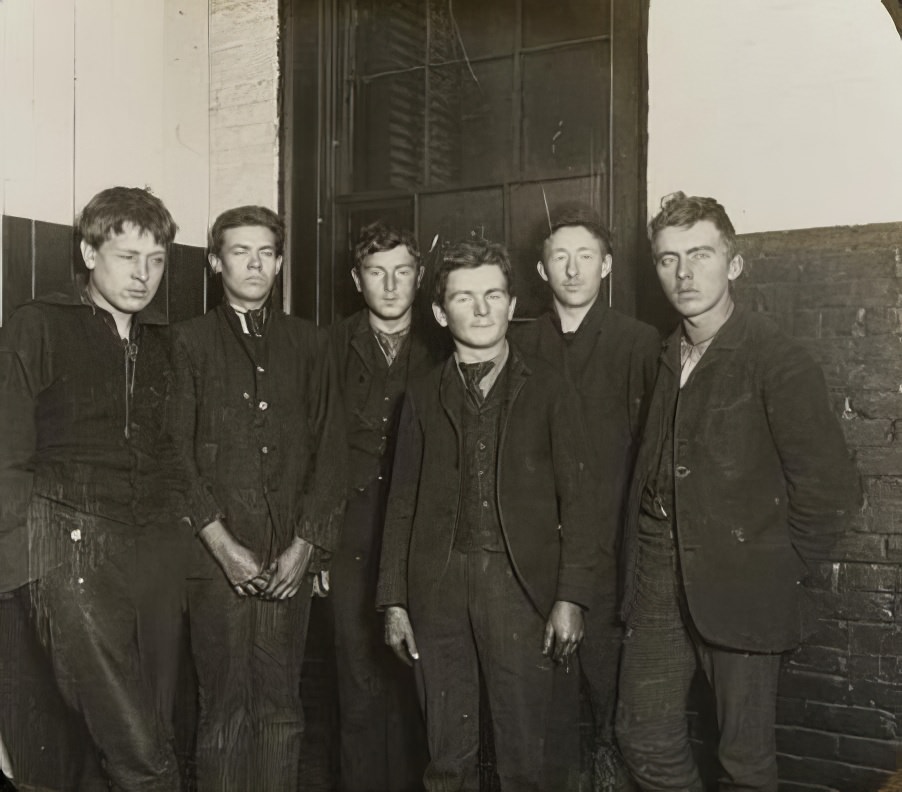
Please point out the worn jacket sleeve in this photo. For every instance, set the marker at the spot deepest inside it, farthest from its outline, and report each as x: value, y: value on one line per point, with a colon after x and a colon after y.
x: 322, y: 505
x: 822, y: 482
x: 402, y: 501
x: 587, y: 553
x: 24, y: 371
x: 183, y: 405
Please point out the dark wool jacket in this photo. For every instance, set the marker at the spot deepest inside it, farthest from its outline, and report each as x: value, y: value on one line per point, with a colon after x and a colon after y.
x: 616, y: 358
x: 546, y: 505
x: 262, y: 440
x: 372, y: 392
x: 64, y: 410
x: 762, y: 481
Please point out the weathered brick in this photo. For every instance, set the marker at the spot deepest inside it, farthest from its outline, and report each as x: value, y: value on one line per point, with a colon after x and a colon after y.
x: 875, y: 293
x: 848, y: 778
x: 861, y: 605
x: 828, y: 322
x: 862, y: 721
x: 807, y: 742
x: 820, y: 658
x: 813, y: 685
x: 878, y: 519
x: 870, y: 577
x: 876, y: 639
x: 875, y: 461
x: 869, y: 432
x: 885, y: 492
x: 879, y: 754
x: 830, y: 633
x: 869, y: 403
x: 873, y: 668
x: 878, y: 321
x: 894, y: 548
x: 855, y: 546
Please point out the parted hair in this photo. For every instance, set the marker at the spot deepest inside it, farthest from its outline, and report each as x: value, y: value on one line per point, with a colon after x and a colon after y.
x: 108, y: 211
x: 379, y: 237
x: 679, y: 210
x: 242, y: 216
x: 469, y: 255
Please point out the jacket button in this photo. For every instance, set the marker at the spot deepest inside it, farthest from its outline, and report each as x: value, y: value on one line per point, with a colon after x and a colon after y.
x: 263, y: 405
x: 260, y: 369
x: 264, y: 450
x: 681, y: 471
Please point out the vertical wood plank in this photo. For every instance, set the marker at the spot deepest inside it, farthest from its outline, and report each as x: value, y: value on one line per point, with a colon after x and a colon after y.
x: 54, y: 248
x: 17, y: 263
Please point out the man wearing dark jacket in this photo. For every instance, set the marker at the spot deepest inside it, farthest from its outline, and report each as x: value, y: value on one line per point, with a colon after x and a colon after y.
x: 489, y: 554
x: 86, y: 484
x: 383, y: 745
x: 742, y: 477
x: 611, y: 359
x: 258, y: 418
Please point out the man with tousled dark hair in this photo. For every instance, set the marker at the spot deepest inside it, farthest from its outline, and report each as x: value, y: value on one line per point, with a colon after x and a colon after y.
x: 257, y: 418
x: 377, y: 351
x: 611, y: 359
x: 742, y: 478
x: 88, y: 483
x: 489, y: 554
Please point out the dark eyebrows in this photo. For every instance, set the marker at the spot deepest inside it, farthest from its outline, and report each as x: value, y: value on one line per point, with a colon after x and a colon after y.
x: 706, y: 248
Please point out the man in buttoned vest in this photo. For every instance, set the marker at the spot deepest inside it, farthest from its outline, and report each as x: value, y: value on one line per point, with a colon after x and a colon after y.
x: 258, y: 417
x: 377, y: 350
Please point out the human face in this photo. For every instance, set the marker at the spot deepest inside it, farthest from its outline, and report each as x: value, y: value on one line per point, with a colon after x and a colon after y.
x: 388, y: 281
x: 124, y: 273
x: 574, y: 266
x: 477, y: 309
x: 248, y: 264
x: 695, y: 270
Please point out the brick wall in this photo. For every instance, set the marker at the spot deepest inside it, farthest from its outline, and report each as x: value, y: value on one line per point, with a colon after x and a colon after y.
x: 839, y: 292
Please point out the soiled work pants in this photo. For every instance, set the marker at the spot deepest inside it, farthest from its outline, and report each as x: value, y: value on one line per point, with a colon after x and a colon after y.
x: 248, y: 653
x: 660, y: 655
x: 87, y: 613
x: 478, y: 616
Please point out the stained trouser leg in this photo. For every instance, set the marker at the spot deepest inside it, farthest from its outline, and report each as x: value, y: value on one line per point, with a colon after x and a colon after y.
x: 448, y: 681
x: 519, y: 678
x: 248, y: 654
x: 87, y: 619
x: 656, y: 671
x: 383, y: 742
x: 745, y: 693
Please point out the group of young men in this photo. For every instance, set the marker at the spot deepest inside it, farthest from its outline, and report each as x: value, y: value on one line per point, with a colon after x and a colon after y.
x: 563, y: 500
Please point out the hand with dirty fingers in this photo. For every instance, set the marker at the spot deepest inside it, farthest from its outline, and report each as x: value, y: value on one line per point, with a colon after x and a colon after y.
x: 563, y: 632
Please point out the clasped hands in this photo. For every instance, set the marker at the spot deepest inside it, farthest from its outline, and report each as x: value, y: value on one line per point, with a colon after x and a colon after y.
x: 245, y: 572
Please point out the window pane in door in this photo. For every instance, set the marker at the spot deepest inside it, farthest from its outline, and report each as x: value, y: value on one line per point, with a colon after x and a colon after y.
x: 390, y: 34
x: 470, y: 123
x: 389, y: 132
x: 482, y: 27
x: 565, y: 111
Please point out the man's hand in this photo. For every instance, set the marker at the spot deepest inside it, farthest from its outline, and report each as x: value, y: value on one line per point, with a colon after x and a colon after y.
x: 287, y: 572
x: 563, y: 631
x: 241, y: 566
x: 399, y: 634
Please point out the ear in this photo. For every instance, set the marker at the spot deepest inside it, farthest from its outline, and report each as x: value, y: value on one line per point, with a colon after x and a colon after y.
x: 215, y: 263
x: 540, y: 268
x: 355, y: 276
x: 439, y: 313
x: 421, y: 271
x: 511, y: 309
x: 88, y: 253
x: 278, y: 265
x: 735, y: 267
x: 606, y: 264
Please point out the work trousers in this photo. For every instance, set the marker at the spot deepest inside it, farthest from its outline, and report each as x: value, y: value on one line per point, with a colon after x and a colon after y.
x: 248, y: 653
x: 383, y: 738
x: 87, y: 610
x: 662, y: 651
x: 478, y: 617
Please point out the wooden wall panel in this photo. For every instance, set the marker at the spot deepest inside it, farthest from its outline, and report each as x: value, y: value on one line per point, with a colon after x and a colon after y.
x: 54, y: 252
x: 17, y: 263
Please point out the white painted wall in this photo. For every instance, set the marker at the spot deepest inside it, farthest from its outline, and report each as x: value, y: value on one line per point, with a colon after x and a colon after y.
x: 244, y: 104
x: 104, y: 92
x: 787, y: 111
